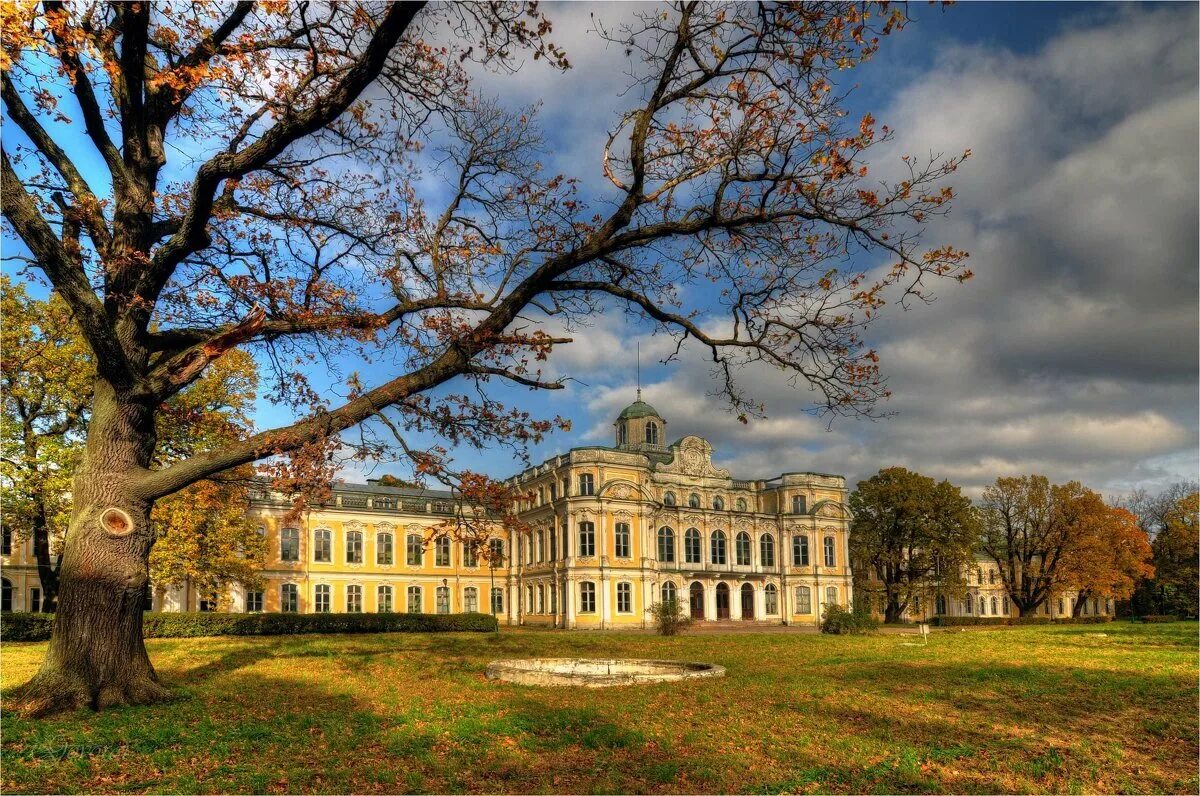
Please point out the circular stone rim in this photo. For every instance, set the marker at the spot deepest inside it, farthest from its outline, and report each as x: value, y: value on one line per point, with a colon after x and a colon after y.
x: 524, y: 671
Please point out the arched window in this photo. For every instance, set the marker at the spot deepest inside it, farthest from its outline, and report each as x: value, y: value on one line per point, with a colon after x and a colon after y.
x: 497, y: 600
x: 541, y: 603
x: 692, y: 546
x: 668, y: 498
x: 993, y: 606
x: 982, y: 607
x: 622, y: 541
x: 718, y: 547
x: 587, y: 597
x: 771, y: 599
x: 741, y: 504
x: 991, y: 577
x: 552, y: 543
x: 587, y: 539
x: 322, y: 598
x: 742, y: 549
x: 496, y: 552
x: 529, y: 599
x: 471, y: 599
x: 803, y: 600
x: 652, y: 432
x: 800, y: 550
x: 666, y: 544
x: 624, y: 598
x: 694, y: 500
x: 553, y: 599
x: 442, y: 552
x: 622, y: 433
x: 831, y: 595
x: 471, y: 554
x: 322, y: 545
x: 443, y: 599
x: 354, y: 599
x: 6, y: 597
x: 415, y: 549
x: 289, y: 598
x: 384, y: 554
x: 383, y: 600
x: 766, y: 552
x: 718, y: 503
x: 354, y: 547
x: 1006, y: 606
x: 414, y: 599
x: 289, y: 544
x: 830, y: 554
x: 669, y: 594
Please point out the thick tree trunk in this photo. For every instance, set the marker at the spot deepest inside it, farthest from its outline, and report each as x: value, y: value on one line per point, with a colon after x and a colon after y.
x: 892, y: 613
x: 1080, y: 601
x: 97, y: 657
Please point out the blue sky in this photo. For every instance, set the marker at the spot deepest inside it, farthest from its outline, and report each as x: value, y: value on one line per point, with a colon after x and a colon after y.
x: 1074, y: 351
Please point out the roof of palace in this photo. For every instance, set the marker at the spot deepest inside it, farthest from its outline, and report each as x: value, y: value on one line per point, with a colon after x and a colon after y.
x: 638, y: 408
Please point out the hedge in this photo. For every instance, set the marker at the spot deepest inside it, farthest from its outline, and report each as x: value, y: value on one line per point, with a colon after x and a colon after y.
x: 970, y: 621
x: 36, y: 627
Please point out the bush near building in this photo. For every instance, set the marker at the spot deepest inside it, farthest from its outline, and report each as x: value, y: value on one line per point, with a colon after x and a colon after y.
x: 37, y: 627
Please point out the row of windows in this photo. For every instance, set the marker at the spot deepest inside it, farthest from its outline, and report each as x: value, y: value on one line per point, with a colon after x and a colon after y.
x: 289, y: 599
x: 322, y: 549
x: 539, y: 598
x: 693, y: 546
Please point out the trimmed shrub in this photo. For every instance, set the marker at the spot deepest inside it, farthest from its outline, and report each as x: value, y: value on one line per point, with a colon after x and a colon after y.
x: 838, y: 621
x: 36, y: 627
x: 1159, y: 618
x: 669, y: 617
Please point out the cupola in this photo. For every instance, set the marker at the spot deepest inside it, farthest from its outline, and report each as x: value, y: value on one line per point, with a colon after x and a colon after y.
x: 640, y: 427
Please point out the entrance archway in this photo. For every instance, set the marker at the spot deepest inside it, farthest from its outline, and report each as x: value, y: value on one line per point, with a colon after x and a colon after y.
x: 696, y: 600
x: 722, y: 601
x: 747, y: 601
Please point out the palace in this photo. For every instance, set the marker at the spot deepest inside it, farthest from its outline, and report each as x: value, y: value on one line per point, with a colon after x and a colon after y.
x: 612, y: 530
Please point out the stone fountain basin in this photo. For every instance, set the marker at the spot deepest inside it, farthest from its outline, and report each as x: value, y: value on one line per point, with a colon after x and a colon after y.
x: 597, y: 673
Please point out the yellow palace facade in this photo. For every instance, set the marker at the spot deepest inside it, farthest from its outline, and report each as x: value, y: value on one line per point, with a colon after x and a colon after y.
x: 611, y: 530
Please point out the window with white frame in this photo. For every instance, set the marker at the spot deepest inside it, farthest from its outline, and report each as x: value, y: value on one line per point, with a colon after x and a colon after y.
x: 470, y: 599
x: 742, y: 549
x: 717, y: 547
x: 803, y: 600
x: 624, y: 598
x: 831, y: 595
x: 383, y: 600
x: 443, y: 599
x: 666, y: 544
x: 830, y: 552
x: 800, y: 550
x: 587, y: 484
x: 321, y: 598
x: 587, y: 539
x: 442, y: 552
x: 497, y: 600
x: 289, y: 544
x: 384, y: 549
x: 766, y: 552
x: 414, y: 549
x: 771, y: 599
x: 323, y: 545
x: 254, y: 602
x: 354, y: 547
x: 354, y: 601
x: 693, y: 546
x: 587, y: 597
x: 669, y: 592
x: 289, y: 598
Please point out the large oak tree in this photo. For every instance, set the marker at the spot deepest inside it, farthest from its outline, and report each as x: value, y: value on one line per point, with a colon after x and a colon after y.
x: 255, y: 181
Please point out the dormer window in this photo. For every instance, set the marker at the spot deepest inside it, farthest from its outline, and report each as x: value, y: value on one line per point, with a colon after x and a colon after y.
x: 798, y: 505
x: 652, y: 433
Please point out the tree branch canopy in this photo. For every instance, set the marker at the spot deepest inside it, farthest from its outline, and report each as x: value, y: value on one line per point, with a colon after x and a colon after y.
x: 308, y: 232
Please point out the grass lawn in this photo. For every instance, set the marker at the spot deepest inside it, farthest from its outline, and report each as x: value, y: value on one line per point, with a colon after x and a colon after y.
x: 1092, y: 708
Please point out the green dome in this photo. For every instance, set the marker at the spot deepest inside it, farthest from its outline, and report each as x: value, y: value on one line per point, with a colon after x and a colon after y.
x: 638, y: 408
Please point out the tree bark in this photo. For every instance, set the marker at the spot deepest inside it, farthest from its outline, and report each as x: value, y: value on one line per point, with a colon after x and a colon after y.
x: 97, y: 657
x: 892, y: 613
x: 1080, y: 601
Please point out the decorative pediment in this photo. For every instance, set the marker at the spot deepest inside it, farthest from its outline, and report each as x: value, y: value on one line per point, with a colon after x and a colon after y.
x: 831, y: 509
x: 623, y: 515
x: 692, y: 456
x: 384, y: 527
x: 621, y: 490
x: 353, y: 525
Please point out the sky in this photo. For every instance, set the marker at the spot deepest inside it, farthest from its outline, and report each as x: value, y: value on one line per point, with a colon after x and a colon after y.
x: 1072, y: 353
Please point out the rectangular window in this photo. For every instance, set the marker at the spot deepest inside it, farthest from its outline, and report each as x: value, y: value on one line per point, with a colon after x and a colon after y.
x: 354, y: 599
x: 207, y: 606
x: 800, y: 551
x: 471, y: 554
x: 289, y: 544
x: 831, y: 595
x: 692, y: 545
x: 254, y: 602
x: 443, y: 599
x: 35, y: 600
x: 470, y: 599
x: 624, y: 598
x: 771, y: 601
x: 323, y: 599
x: 803, y: 600
x: 553, y: 492
x: 566, y: 483
x: 289, y: 598
x: 587, y: 484
x: 354, y: 547
x: 587, y: 539
x: 442, y: 552
x: 587, y: 597
x: 414, y: 599
x: 414, y: 548
x: 6, y: 545
x: 497, y: 601
x: 496, y: 549
x: 384, y: 554
x: 799, y: 504
x: 623, y: 547
x: 830, y: 555
x: 383, y: 600
x: 322, y: 545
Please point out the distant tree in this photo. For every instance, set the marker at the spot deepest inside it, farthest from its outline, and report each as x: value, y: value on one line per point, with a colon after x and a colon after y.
x: 1030, y: 527
x: 1108, y: 556
x: 1153, y: 509
x: 299, y: 224
x: 915, y: 534
x: 1176, y: 555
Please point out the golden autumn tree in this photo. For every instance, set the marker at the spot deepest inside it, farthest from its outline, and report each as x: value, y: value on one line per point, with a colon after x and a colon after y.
x: 1108, y: 554
x: 296, y: 226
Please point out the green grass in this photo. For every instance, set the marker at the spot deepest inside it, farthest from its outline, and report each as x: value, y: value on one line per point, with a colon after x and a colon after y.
x: 1109, y: 708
